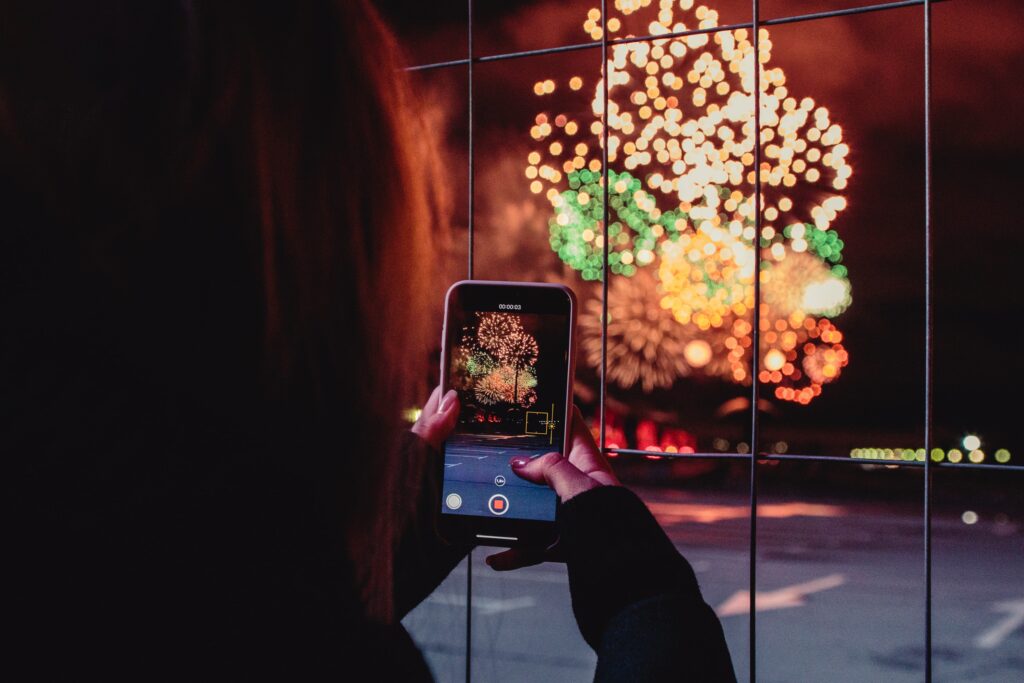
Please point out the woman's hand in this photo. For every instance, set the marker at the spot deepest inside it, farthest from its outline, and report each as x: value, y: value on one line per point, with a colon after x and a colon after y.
x: 585, y: 468
x: 437, y: 420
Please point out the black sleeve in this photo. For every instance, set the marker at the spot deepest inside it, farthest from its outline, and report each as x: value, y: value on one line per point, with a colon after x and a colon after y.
x: 636, y: 599
x: 422, y: 559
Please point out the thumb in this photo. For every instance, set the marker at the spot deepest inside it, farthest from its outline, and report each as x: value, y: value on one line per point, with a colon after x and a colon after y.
x: 434, y: 428
x: 555, y: 471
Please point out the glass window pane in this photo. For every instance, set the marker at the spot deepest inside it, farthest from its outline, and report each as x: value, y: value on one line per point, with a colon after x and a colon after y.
x: 840, y: 581
x: 857, y: 268
x: 978, y: 567
x: 680, y: 293
x: 977, y: 143
x: 703, y: 504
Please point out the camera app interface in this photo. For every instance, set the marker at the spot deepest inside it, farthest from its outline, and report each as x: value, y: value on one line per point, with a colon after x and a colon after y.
x: 509, y: 366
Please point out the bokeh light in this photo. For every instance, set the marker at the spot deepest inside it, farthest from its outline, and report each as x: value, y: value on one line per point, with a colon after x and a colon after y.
x: 681, y: 143
x: 953, y: 455
x: 646, y: 345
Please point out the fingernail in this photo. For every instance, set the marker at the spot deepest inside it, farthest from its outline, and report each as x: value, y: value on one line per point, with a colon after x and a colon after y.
x: 446, y: 402
x: 519, y: 462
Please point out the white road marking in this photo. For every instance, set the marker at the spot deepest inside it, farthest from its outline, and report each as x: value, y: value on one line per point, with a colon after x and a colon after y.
x: 790, y: 596
x: 991, y: 638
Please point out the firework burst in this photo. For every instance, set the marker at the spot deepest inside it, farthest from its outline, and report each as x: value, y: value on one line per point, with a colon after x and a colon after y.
x: 680, y: 133
x: 802, y: 282
x: 645, y: 343
x: 495, y: 359
x: 707, y: 277
x: 502, y: 335
x: 505, y: 384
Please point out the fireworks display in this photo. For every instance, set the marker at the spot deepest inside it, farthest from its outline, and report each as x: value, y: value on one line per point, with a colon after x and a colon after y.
x: 495, y: 359
x: 645, y: 343
x: 502, y: 335
x: 708, y: 277
x: 507, y: 385
x: 802, y: 282
x: 680, y: 134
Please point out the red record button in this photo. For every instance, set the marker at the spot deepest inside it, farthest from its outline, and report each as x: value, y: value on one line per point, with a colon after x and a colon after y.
x: 498, y: 504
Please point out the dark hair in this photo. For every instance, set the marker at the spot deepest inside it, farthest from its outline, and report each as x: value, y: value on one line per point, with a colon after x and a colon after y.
x: 251, y: 171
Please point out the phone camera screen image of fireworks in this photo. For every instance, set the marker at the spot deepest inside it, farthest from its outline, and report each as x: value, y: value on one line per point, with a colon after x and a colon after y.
x: 510, y: 370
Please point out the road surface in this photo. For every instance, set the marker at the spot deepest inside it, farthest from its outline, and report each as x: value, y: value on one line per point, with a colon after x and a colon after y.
x: 840, y: 586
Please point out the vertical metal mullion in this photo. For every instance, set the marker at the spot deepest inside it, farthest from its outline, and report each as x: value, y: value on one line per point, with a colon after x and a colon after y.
x: 605, y: 178
x: 928, y: 331
x: 469, y: 269
x: 469, y: 78
x: 469, y: 614
x: 756, y: 341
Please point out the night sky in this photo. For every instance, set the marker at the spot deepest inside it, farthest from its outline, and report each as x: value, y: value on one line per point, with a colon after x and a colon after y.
x: 868, y: 69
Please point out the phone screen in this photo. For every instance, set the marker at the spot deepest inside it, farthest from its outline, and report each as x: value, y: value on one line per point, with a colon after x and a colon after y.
x: 508, y: 359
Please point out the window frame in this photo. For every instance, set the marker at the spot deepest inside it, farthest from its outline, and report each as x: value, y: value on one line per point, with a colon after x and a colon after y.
x: 755, y: 457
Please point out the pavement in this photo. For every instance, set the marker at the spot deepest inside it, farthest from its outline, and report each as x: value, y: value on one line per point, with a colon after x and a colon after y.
x: 839, y: 591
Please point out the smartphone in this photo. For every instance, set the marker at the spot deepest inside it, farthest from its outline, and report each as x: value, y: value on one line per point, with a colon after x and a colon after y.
x: 508, y: 349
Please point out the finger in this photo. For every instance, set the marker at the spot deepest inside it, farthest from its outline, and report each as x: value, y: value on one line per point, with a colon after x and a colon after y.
x: 515, y: 558
x: 430, y: 408
x: 556, y: 471
x: 585, y: 454
x: 433, y: 402
x: 435, y: 427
